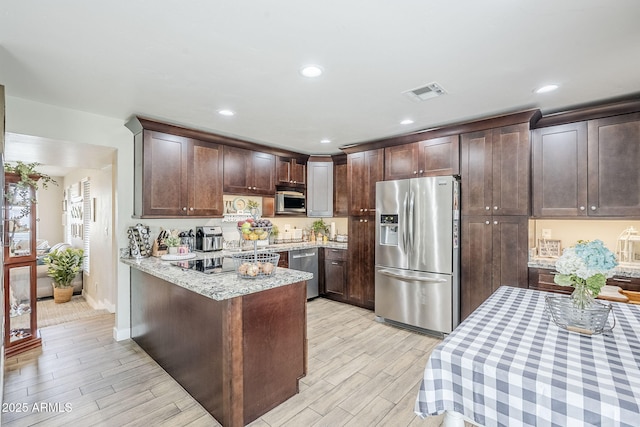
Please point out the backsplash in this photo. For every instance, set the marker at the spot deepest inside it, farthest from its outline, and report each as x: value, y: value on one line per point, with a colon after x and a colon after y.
x: 570, y: 231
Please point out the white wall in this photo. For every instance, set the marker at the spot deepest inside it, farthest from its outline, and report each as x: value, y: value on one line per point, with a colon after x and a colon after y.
x: 31, y: 118
x: 49, y: 212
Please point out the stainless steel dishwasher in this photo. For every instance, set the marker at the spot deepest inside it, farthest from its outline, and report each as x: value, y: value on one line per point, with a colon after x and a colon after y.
x: 306, y: 260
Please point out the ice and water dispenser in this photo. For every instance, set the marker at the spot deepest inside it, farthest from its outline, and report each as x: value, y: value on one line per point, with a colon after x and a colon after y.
x: 389, y: 230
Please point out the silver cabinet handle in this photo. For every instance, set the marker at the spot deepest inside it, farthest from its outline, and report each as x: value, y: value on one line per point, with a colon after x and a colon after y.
x: 366, y: 220
x: 593, y: 208
x: 582, y: 208
x: 191, y: 208
x: 622, y: 280
x: 361, y: 210
x: 421, y: 171
x: 184, y: 208
x: 303, y: 255
x: 486, y: 222
x: 365, y: 209
x: 495, y: 208
x: 334, y: 263
x: 495, y: 222
x: 486, y: 208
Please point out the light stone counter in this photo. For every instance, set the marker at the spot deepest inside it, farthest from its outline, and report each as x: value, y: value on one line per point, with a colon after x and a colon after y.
x: 217, y: 286
x: 550, y: 263
x: 304, y: 245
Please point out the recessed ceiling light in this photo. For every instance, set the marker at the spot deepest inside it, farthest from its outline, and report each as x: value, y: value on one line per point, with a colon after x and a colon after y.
x: 406, y: 122
x: 227, y: 113
x: 311, y: 71
x: 325, y: 141
x: 547, y: 88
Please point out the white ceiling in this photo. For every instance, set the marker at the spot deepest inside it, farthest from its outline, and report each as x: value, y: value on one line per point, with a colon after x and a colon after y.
x: 182, y: 61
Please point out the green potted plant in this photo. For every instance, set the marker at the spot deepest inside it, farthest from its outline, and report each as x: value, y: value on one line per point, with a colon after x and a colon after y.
x: 63, y: 266
x: 320, y: 227
x: 172, y: 242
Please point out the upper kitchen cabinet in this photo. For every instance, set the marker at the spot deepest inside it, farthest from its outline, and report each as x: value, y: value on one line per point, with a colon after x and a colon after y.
x: 613, y: 166
x: 495, y: 169
x: 364, y: 169
x: 249, y: 172
x: 291, y: 172
x: 176, y: 176
x: 340, y: 192
x: 559, y: 156
x: 431, y: 157
x: 320, y: 187
x: 588, y: 168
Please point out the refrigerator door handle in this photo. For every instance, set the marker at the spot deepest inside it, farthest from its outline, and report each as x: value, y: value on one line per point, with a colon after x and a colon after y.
x: 405, y: 207
x: 407, y: 277
x: 411, y: 219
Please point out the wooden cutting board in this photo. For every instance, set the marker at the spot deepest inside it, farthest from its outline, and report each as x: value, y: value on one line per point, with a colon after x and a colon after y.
x: 613, y: 293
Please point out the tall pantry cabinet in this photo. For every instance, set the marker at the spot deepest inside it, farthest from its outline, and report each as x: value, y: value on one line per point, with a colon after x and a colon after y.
x: 364, y: 169
x: 495, y: 168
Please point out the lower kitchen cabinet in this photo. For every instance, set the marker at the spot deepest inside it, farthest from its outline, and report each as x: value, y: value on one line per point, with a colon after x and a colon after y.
x: 494, y: 253
x: 542, y: 280
x: 360, y: 281
x: 335, y: 273
x: 283, y: 261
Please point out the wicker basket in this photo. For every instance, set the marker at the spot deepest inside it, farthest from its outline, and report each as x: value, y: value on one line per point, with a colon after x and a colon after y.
x: 591, y: 320
x: 255, y: 265
x: 61, y: 295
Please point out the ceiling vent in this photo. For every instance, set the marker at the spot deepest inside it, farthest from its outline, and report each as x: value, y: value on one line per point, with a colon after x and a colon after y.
x: 426, y: 92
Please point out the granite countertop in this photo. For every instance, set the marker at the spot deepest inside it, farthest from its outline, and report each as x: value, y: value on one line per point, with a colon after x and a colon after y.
x: 304, y: 245
x: 217, y: 286
x: 550, y: 263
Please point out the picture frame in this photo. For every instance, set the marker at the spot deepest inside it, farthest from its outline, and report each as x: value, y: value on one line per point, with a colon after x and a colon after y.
x: 548, y: 248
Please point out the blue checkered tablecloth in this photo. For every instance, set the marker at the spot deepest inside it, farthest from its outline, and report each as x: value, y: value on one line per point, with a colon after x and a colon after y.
x: 507, y: 364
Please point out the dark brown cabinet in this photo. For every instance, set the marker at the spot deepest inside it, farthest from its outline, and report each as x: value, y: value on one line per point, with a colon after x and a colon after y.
x: 291, y: 172
x: 542, y: 279
x: 177, y: 176
x: 495, y: 169
x: 340, y: 193
x: 335, y: 273
x: 559, y: 156
x: 613, y: 160
x: 283, y: 261
x: 432, y: 157
x: 588, y: 168
x: 360, y: 281
x: 248, y: 172
x: 364, y: 169
x: 494, y: 253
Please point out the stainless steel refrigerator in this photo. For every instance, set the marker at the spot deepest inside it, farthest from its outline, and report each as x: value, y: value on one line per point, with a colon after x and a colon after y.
x: 417, y: 256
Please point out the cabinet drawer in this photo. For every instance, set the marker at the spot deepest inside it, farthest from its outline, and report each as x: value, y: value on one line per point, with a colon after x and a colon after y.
x: 335, y: 254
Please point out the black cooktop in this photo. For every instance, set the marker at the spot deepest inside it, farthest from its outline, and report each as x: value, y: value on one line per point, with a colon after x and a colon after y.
x: 208, y: 265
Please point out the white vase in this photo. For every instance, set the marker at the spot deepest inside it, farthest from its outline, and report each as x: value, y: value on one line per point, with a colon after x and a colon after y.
x: 173, y: 250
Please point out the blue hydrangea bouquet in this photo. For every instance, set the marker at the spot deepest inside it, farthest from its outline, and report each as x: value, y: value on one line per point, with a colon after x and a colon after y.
x: 585, y: 266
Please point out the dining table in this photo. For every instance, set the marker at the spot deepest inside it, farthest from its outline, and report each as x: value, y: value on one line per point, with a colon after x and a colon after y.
x: 509, y: 364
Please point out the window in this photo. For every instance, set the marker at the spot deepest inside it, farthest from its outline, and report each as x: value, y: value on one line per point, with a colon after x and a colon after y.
x: 86, y: 222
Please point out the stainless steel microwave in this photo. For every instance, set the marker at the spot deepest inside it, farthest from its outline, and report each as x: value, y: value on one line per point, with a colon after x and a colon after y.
x: 289, y: 202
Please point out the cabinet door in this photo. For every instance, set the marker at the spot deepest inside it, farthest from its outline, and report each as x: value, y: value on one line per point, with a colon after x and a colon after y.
x: 511, y: 170
x: 360, y: 282
x: 263, y: 170
x: 476, y: 263
x: 340, y: 194
x: 335, y: 272
x: 298, y: 173
x: 560, y: 171
x: 164, y: 174
x: 283, y: 170
x: 477, y: 173
x: 205, y: 180
x: 320, y: 189
x: 237, y: 166
x: 364, y: 169
x: 614, y: 166
x: 401, y: 162
x: 509, y: 248
x: 439, y: 156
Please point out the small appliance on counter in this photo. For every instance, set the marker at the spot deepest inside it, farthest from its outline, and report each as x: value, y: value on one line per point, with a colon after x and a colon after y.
x: 208, y: 238
x: 628, y: 251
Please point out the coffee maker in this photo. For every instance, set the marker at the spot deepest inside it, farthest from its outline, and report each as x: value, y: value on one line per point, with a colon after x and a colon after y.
x: 208, y: 238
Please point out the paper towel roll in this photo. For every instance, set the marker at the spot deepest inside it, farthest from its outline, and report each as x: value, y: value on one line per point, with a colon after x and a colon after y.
x: 332, y: 233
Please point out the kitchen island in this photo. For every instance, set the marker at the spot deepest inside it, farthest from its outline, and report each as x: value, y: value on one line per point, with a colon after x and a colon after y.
x: 238, y: 346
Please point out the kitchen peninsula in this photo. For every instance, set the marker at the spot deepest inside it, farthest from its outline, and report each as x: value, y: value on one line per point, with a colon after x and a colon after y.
x: 238, y: 346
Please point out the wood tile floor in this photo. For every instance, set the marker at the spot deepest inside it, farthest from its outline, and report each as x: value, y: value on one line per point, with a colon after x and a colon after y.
x: 361, y: 373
